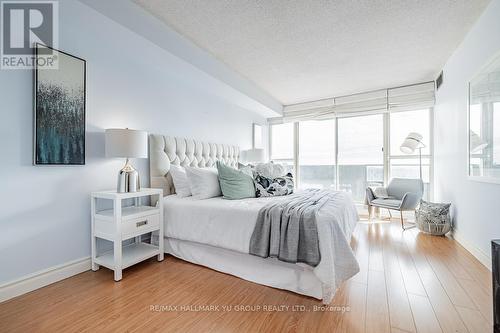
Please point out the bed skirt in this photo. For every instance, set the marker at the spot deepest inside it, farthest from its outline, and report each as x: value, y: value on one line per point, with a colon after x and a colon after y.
x: 269, y: 272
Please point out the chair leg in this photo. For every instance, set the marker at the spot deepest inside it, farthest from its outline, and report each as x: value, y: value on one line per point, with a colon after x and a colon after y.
x: 369, y: 213
x: 390, y: 214
x: 402, y: 220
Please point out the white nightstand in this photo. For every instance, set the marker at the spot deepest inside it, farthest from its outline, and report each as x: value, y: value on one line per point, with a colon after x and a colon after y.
x: 130, y: 222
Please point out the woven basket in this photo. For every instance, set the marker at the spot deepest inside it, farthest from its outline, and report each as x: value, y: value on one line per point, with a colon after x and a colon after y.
x: 433, y: 228
x: 433, y: 218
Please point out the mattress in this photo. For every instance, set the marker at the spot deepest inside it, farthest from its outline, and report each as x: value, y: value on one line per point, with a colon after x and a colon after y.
x: 216, y: 221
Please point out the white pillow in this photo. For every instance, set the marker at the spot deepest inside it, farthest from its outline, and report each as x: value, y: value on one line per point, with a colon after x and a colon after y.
x: 180, y: 180
x: 203, y: 182
x: 270, y: 170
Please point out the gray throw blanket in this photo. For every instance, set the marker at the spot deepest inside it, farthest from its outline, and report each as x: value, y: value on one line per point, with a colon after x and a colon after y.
x: 287, y: 229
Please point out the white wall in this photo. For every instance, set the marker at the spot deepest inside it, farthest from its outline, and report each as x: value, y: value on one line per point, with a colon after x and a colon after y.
x: 131, y: 82
x: 476, y: 206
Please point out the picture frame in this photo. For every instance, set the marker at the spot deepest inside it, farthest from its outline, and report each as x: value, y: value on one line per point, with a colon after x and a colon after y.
x: 60, y: 98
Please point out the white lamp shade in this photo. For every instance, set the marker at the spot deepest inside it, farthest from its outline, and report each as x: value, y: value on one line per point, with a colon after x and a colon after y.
x: 254, y: 155
x: 126, y: 143
x: 412, y: 142
x: 476, y: 143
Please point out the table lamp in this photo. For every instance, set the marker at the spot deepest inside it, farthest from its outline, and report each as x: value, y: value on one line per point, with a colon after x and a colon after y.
x: 255, y: 155
x: 127, y: 143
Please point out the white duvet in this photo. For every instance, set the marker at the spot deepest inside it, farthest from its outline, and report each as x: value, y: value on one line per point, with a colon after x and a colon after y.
x: 229, y: 224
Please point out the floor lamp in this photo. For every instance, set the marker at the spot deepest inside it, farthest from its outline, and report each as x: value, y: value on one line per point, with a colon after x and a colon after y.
x: 414, y: 141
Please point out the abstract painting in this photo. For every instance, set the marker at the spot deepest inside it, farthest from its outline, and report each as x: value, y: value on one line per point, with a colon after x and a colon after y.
x: 59, y: 136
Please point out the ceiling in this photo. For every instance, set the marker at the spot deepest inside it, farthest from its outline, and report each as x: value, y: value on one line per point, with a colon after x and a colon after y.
x: 306, y: 50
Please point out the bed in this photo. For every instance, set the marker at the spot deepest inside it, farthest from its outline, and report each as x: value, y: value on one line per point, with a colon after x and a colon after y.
x: 216, y: 232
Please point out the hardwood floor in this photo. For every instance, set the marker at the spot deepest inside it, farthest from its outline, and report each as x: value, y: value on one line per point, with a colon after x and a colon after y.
x: 409, y: 282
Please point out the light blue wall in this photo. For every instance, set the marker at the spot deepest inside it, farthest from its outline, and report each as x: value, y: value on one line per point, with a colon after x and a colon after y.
x: 476, y: 206
x: 131, y: 82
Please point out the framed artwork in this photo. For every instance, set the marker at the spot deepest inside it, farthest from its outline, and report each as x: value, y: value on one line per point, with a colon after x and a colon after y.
x: 257, y: 136
x: 60, y: 101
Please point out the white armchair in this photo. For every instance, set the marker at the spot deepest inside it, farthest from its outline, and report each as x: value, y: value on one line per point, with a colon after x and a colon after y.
x: 402, y: 195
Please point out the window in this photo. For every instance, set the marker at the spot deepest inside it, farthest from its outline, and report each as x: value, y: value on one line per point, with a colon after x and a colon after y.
x: 317, y: 154
x: 403, y: 165
x: 360, y: 154
x: 348, y: 153
x: 282, y: 141
x: 402, y: 123
x: 282, y: 145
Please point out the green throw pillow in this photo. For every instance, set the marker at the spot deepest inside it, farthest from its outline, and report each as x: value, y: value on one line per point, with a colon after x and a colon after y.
x: 235, y: 184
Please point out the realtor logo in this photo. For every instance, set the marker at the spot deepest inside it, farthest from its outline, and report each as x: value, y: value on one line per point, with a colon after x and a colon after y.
x: 25, y: 23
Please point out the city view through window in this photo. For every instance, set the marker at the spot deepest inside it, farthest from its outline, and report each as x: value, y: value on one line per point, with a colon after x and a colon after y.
x: 348, y: 153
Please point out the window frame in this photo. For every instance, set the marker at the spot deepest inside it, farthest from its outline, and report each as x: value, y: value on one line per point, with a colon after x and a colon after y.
x: 297, y: 146
x: 294, y: 159
x: 391, y: 157
x: 387, y: 156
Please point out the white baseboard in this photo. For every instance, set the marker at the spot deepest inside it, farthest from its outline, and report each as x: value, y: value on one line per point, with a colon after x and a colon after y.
x: 483, y: 258
x: 43, y: 278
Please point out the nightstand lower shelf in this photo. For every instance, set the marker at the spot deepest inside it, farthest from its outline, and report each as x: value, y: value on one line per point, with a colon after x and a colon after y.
x: 131, y: 255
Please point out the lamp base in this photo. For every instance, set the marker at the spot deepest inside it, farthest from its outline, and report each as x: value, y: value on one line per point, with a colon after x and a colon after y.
x: 128, y: 179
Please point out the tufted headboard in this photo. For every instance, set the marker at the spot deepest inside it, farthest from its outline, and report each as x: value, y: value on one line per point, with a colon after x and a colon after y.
x: 166, y: 150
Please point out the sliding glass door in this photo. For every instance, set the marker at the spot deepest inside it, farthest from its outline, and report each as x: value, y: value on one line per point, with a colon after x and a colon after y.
x: 317, y: 154
x: 360, y: 154
x: 403, y: 165
x: 282, y: 145
x: 351, y: 153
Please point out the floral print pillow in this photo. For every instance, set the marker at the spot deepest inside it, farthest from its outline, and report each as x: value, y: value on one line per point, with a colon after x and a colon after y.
x: 267, y: 187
